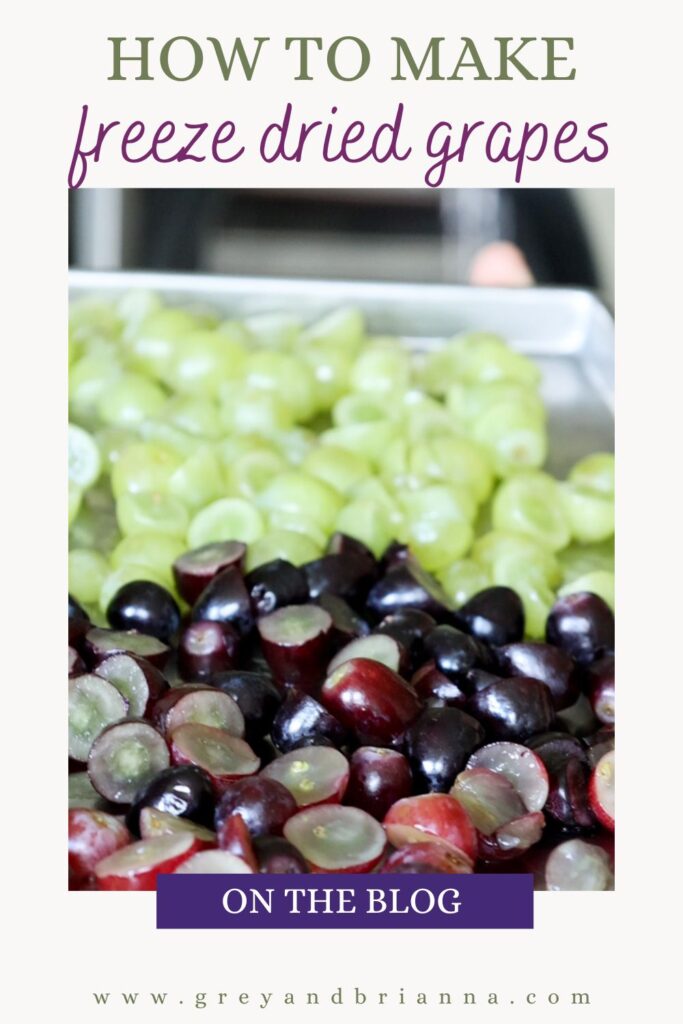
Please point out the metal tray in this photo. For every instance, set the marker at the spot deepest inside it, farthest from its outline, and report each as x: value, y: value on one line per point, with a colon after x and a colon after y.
x: 567, y: 331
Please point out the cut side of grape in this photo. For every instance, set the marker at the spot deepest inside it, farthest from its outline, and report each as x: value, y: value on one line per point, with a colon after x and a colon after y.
x: 100, y: 642
x: 313, y: 775
x: 214, y: 862
x: 334, y: 838
x: 377, y: 647
x: 124, y: 757
x: 155, y: 823
x: 205, y: 706
x: 93, y: 705
x: 296, y: 644
x: 85, y: 463
x: 531, y: 504
x: 195, y: 569
x: 223, y: 757
x: 601, y: 790
x: 229, y: 518
x: 137, y: 866
x: 520, y: 766
x: 137, y: 683
x: 576, y: 866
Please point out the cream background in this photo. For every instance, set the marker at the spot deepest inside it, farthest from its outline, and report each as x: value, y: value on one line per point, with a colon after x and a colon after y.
x: 64, y: 946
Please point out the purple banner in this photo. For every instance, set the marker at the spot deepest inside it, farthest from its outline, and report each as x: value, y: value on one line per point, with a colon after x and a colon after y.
x: 345, y: 901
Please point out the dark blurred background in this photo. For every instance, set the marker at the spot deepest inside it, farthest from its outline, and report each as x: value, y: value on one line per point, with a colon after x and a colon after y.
x: 393, y: 234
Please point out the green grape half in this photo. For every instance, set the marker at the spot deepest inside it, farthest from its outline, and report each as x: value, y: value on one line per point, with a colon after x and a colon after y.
x: 286, y: 544
x: 532, y: 504
x: 87, y: 571
x: 463, y: 579
x: 151, y: 511
x: 226, y: 519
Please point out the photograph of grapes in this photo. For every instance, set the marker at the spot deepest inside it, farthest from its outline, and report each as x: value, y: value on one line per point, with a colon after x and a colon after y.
x: 341, y: 533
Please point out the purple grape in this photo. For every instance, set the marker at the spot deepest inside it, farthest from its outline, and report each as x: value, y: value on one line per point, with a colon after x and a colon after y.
x: 582, y: 625
x: 349, y: 576
x: 513, y: 709
x: 184, y: 791
x: 146, y: 607
x: 263, y: 804
x: 257, y: 697
x: 549, y: 664
x: 438, y: 745
x: 225, y: 599
x: 302, y: 722
x: 378, y: 777
x: 494, y: 615
x: 277, y: 856
x: 406, y: 586
x: 274, y: 585
x: 206, y: 649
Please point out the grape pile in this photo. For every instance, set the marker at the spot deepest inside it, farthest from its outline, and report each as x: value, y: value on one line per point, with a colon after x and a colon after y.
x: 327, y: 611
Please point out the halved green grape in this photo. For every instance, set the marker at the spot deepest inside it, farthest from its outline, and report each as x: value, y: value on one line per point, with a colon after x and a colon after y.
x: 87, y: 571
x: 249, y: 473
x: 135, y: 307
x: 129, y: 573
x: 130, y: 400
x: 235, y: 445
x: 145, y: 466
x: 202, y: 361
x: 368, y: 521
x: 299, y: 492
x: 580, y: 559
x: 372, y: 489
x: 501, y: 548
x: 595, y: 473
x: 151, y: 511
x: 590, y: 513
x: 344, y: 327
x: 85, y: 463
x: 424, y: 417
x: 250, y: 411
x: 281, y: 374
x: 331, y: 366
x: 477, y: 400
x: 196, y: 416
x: 75, y: 500
x: 531, y: 503
x: 457, y: 460
x: 360, y: 408
x: 92, y: 316
x: 600, y: 583
x: 395, y: 469
x: 151, y: 346
x: 514, y: 437
x: 226, y: 519
x: 168, y: 436
x: 112, y: 441
x: 537, y: 599
x: 295, y: 522
x: 437, y: 542
x: 286, y: 544
x: 448, y: 502
x: 274, y: 330
x: 463, y: 579
x: 483, y: 358
x: 95, y: 525
x: 199, y: 480
x: 295, y: 443
x: 337, y: 467
x: 382, y: 368
x: 370, y: 440
x: 152, y: 549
